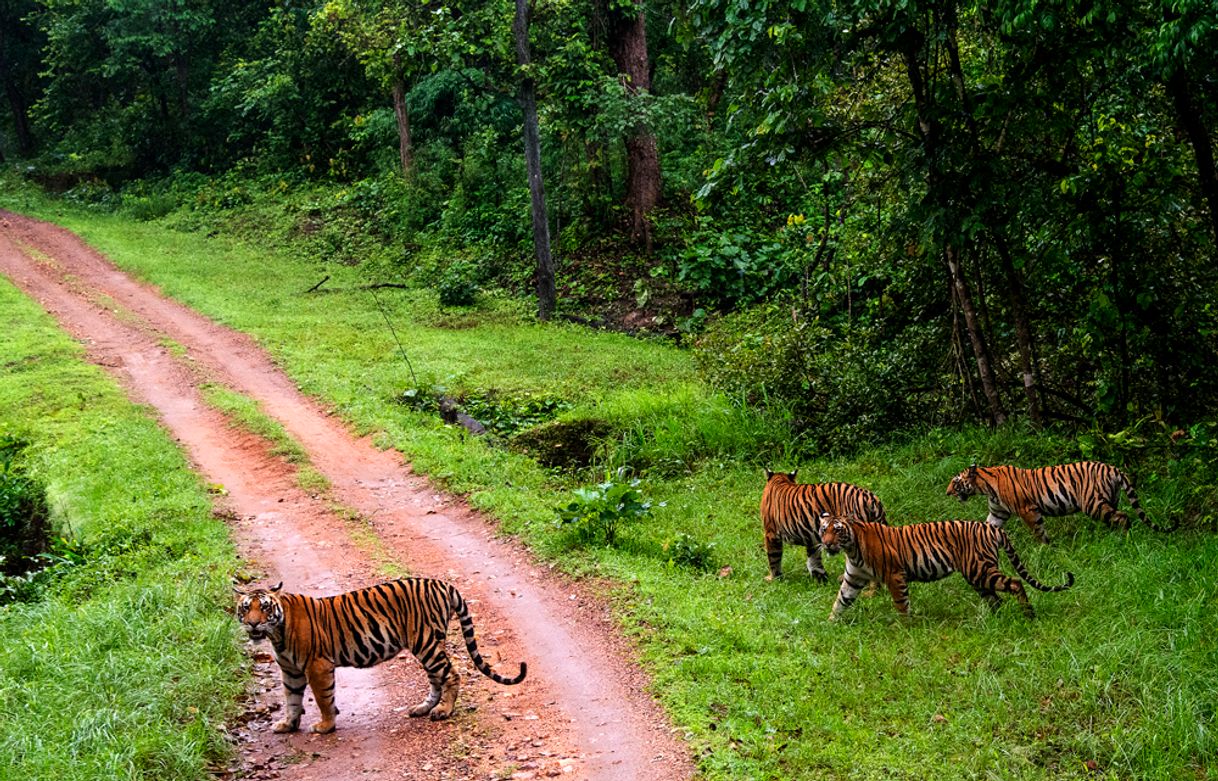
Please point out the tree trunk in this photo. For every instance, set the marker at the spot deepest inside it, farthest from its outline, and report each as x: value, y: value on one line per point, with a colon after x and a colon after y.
x: 928, y: 129
x: 988, y: 386
x: 1190, y: 122
x: 532, y: 157
x: 1023, y: 332
x: 16, y: 102
x: 628, y: 47
x: 405, y: 149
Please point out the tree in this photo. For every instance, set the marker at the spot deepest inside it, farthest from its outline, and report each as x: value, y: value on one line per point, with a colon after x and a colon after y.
x: 627, y: 40
x: 532, y: 155
x: 20, y: 42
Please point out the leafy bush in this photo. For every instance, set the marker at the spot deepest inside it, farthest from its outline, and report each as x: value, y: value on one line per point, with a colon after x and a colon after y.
x: 23, y: 510
x: 730, y: 268
x: 599, y: 511
x: 458, y: 285
x: 842, y: 391
x: 685, y: 550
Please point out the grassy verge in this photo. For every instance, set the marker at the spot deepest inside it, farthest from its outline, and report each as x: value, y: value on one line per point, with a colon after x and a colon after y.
x: 1113, y: 679
x: 127, y: 665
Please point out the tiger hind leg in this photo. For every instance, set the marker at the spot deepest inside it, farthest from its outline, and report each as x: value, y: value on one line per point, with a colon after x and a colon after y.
x: 1012, y: 586
x: 1108, y: 513
x: 773, y: 553
x: 441, y: 676
x: 448, y: 696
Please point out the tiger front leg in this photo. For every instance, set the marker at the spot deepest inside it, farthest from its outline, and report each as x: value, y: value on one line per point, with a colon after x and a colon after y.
x: 1035, y: 523
x: 294, y: 683
x: 321, y: 681
x: 852, y: 583
x: 898, y: 587
x: 816, y: 568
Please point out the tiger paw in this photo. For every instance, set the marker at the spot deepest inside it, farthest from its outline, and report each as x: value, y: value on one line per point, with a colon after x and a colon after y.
x: 440, y: 713
x: 820, y: 576
x: 286, y: 725
x: 322, y: 727
x: 422, y: 709
x: 833, y: 617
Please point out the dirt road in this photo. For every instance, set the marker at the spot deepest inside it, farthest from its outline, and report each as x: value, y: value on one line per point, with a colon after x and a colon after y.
x: 582, y: 713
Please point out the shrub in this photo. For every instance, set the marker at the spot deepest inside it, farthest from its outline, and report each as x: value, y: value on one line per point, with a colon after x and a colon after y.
x: 599, y: 511
x: 458, y: 284
x: 685, y: 550
x: 23, y: 511
x: 842, y: 391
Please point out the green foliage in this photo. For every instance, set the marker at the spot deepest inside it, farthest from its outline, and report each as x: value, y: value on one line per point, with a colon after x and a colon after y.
x: 600, y: 511
x: 841, y: 391
x: 685, y: 550
x: 24, y: 513
x: 458, y: 285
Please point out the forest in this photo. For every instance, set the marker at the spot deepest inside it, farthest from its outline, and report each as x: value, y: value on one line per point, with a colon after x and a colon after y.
x: 975, y: 212
x: 566, y: 283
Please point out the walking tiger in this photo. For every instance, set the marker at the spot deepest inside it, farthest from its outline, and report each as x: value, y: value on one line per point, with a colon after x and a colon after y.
x: 922, y: 552
x: 1091, y: 487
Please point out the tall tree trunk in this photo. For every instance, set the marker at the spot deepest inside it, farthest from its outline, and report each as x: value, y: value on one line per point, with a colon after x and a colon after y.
x: 532, y: 158
x: 1023, y: 332
x: 16, y: 102
x: 628, y: 47
x: 405, y: 149
x: 929, y: 130
x: 982, y: 354
x: 1190, y: 121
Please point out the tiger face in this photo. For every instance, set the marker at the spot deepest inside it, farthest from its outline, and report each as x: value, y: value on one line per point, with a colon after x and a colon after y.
x: 260, y: 612
x: 962, y: 485
x: 835, y: 534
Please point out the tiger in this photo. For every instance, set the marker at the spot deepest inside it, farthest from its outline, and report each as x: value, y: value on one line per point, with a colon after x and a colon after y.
x: 1091, y: 487
x: 790, y: 513
x: 922, y: 552
x: 313, y: 635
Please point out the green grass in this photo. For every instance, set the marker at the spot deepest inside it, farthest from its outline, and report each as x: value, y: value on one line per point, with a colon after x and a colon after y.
x: 129, y: 664
x: 1117, y: 671
x: 245, y: 413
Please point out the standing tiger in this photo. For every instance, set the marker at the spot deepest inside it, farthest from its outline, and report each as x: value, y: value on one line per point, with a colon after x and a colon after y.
x: 1087, y: 486
x: 922, y: 552
x: 313, y: 635
x: 790, y: 513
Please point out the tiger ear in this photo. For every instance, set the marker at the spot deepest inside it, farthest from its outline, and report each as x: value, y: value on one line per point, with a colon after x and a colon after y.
x: 275, y: 589
x: 768, y: 473
x: 792, y: 475
x: 972, y: 470
x: 239, y: 589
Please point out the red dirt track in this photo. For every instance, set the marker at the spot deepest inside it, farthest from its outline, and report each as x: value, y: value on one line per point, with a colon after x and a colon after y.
x: 583, y: 712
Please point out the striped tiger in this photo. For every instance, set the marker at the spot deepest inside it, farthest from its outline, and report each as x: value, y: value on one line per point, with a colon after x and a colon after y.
x: 1091, y: 487
x: 790, y: 513
x: 922, y: 552
x: 313, y: 635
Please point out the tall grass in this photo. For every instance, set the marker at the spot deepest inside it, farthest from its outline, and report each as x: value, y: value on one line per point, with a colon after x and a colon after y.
x: 1113, y: 679
x: 128, y: 665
